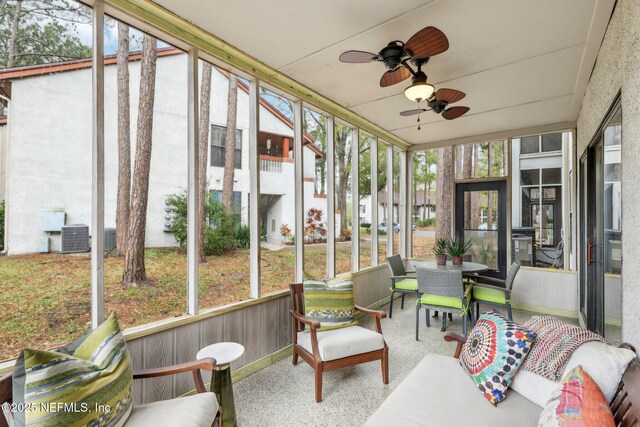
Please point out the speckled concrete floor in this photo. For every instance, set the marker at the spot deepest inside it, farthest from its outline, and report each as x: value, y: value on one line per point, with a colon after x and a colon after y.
x: 283, y: 394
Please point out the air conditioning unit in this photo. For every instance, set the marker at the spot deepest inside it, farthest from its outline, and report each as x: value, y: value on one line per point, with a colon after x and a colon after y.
x: 74, y: 238
x: 109, y: 239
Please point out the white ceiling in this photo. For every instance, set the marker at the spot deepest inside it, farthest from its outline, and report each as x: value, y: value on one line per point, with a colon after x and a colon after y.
x: 521, y: 63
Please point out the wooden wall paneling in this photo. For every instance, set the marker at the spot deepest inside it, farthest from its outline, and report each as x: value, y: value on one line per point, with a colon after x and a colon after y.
x: 284, y: 322
x: 186, y: 345
x: 158, y: 351
x: 136, y: 351
x: 234, y: 332
x: 254, y: 329
x: 270, y: 326
x: 211, y: 331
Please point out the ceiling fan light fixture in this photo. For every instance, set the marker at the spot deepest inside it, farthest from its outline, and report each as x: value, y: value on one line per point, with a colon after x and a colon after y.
x: 419, y: 91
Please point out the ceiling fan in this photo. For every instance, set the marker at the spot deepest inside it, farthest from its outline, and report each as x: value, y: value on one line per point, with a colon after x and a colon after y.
x: 397, y: 57
x: 439, y: 103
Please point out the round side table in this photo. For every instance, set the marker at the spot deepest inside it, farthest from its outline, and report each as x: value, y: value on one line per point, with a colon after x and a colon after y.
x: 224, y: 353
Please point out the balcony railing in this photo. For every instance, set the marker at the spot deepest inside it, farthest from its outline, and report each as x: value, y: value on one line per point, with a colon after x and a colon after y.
x: 270, y: 164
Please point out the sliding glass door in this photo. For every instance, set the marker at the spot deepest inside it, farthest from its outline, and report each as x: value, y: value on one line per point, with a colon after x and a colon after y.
x: 601, y: 229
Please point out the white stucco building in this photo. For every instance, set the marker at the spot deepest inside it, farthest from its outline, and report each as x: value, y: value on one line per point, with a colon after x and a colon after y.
x: 47, y: 150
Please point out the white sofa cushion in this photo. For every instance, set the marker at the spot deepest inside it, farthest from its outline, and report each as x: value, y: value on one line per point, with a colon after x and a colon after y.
x: 439, y: 392
x: 344, y: 342
x: 604, y: 363
x: 198, y: 410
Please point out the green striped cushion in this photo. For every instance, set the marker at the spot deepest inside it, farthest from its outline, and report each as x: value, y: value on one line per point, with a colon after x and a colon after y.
x: 95, y: 382
x: 330, y: 302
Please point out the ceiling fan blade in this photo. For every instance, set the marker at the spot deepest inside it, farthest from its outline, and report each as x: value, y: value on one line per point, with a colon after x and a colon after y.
x: 427, y: 42
x: 396, y: 76
x: 449, y: 95
x: 454, y: 112
x: 413, y: 112
x: 358, y: 57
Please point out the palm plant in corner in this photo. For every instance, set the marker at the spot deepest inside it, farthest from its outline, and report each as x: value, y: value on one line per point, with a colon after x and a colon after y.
x: 456, y: 248
x: 440, y: 249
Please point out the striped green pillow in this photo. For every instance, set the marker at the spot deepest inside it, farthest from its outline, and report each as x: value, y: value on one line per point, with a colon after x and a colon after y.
x: 92, y: 386
x: 330, y: 302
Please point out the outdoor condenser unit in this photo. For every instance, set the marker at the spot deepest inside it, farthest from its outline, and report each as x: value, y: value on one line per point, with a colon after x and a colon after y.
x: 522, y: 250
x: 74, y: 238
x: 109, y: 239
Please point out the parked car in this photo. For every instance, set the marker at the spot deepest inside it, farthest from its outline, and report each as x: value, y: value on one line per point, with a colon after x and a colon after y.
x: 383, y: 227
x: 484, y: 226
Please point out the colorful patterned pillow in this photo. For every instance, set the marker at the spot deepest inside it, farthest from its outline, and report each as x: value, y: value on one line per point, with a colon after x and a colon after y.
x: 578, y: 401
x: 495, y: 349
x: 92, y: 386
x: 330, y: 302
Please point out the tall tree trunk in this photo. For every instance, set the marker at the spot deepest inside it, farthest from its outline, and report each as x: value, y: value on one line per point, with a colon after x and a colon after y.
x: 134, y: 269
x: 343, y: 161
x: 124, y: 140
x: 467, y: 159
x: 230, y: 144
x: 489, y: 210
x: 428, y: 202
x: 15, y: 26
x: 443, y: 193
x: 203, y: 147
x: 475, y: 196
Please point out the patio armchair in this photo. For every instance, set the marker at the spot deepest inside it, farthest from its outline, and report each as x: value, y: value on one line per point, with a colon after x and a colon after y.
x: 443, y: 290
x: 402, y: 281
x: 336, y: 348
x: 493, y: 291
x: 198, y: 410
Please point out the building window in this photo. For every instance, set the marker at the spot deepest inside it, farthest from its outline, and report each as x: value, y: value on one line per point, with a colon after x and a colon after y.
x: 541, y: 191
x: 541, y: 143
x: 218, y: 134
x: 216, y: 195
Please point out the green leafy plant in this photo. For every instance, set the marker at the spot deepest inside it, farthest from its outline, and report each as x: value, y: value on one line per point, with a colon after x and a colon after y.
x: 427, y: 222
x: 440, y: 247
x: 457, y: 246
x: 220, y: 226
x: 243, y: 236
x: 285, y: 231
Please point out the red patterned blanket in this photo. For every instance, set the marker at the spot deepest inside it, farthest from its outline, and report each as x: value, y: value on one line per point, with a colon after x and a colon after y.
x: 555, y: 342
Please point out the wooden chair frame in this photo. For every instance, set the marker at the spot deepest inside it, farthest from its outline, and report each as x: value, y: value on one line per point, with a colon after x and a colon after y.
x: 207, y: 364
x: 314, y: 359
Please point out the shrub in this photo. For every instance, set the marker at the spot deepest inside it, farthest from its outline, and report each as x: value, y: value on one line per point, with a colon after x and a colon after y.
x: 285, y: 231
x: 427, y: 222
x: 314, y: 229
x: 345, y: 234
x: 243, y: 236
x: 220, y: 229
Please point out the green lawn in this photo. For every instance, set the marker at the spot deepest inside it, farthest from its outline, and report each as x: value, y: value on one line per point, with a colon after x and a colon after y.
x: 46, y: 298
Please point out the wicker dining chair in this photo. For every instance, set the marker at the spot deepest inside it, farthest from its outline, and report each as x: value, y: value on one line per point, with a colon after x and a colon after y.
x: 445, y: 291
x: 495, y: 292
x: 402, y: 281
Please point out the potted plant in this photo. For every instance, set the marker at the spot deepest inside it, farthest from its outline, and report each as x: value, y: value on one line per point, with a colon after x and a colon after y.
x: 440, y: 249
x: 457, y: 248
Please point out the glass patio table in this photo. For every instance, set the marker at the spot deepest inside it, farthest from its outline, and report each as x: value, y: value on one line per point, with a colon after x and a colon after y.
x: 466, y: 267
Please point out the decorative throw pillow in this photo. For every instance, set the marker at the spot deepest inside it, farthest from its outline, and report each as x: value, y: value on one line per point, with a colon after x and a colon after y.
x: 495, y: 349
x: 92, y: 386
x: 330, y: 302
x: 578, y: 401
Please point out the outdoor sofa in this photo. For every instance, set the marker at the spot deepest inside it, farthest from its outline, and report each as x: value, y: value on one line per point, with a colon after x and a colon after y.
x: 439, y: 392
